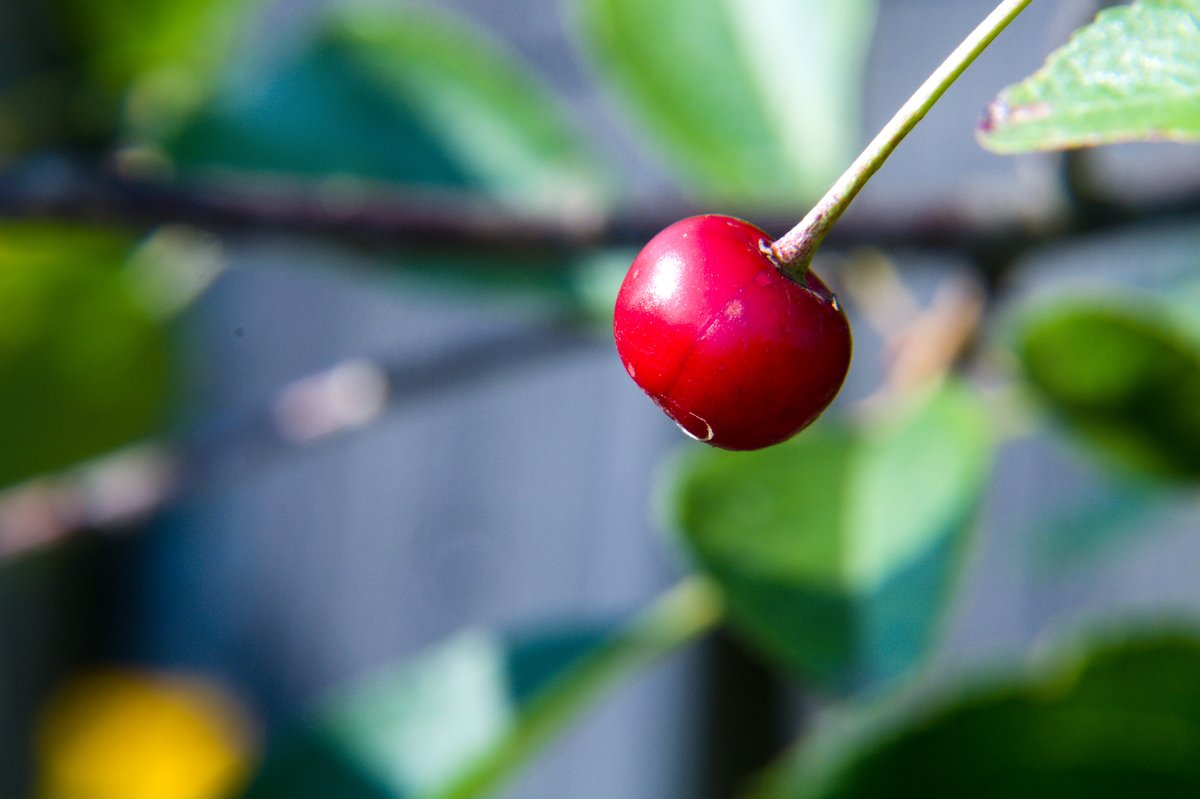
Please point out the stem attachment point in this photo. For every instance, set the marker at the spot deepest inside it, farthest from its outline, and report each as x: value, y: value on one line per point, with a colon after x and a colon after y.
x: 794, y: 251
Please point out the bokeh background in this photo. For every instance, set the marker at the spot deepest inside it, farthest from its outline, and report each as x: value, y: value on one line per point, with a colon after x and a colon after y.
x: 383, y: 430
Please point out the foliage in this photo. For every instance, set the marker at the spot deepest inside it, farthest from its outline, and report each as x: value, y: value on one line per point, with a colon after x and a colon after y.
x: 454, y: 723
x: 1111, y: 718
x: 1132, y: 75
x: 408, y: 97
x: 834, y: 556
x: 716, y: 85
x: 84, y: 363
x: 836, y: 550
x: 1124, y: 377
x: 418, y: 730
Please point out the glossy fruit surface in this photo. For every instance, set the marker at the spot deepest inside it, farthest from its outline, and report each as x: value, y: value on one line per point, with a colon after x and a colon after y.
x: 738, y: 354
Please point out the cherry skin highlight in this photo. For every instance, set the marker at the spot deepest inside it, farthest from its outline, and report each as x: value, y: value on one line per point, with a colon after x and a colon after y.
x: 740, y: 355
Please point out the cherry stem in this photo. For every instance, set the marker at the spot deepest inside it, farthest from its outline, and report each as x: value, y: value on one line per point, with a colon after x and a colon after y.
x: 794, y: 250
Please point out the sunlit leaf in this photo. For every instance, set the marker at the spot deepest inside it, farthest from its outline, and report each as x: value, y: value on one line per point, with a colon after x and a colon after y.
x: 127, y: 38
x: 837, y: 550
x: 410, y: 97
x: 1115, y: 720
x: 1123, y: 376
x: 482, y: 105
x: 1132, y: 75
x: 83, y: 362
x: 755, y: 101
x: 413, y: 731
x: 455, y: 722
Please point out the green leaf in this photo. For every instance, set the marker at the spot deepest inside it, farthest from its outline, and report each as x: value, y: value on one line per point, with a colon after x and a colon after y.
x: 1113, y: 720
x: 411, y: 97
x: 127, y: 38
x: 457, y: 721
x: 414, y: 730
x: 1123, y: 376
x: 837, y: 550
x: 84, y: 364
x: 1132, y: 75
x: 163, y: 56
x: 496, y: 120
x: 756, y: 101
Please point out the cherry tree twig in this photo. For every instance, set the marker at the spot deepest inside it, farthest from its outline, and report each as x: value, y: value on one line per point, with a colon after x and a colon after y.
x: 449, y: 220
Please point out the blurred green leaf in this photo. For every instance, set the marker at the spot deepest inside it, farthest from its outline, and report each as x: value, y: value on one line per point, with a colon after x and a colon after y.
x: 1122, y: 375
x: 125, y: 39
x: 1120, y: 719
x: 161, y: 57
x: 757, y: 101
x: 837, y: 550
x: 493, y: 117
x: 411, y: 97
x: 413, y: 731
x: 315, y: 116
x: 83, y: 363
x: 1132, y: 75
x: 454, y: 723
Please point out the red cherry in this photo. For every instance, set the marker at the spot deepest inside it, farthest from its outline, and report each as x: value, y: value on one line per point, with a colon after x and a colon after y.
x: 738, y: 354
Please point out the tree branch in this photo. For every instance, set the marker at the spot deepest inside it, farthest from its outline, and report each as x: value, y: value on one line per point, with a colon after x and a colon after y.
x: 450, y: 220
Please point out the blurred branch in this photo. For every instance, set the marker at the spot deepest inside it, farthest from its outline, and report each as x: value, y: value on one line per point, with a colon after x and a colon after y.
x: 921, y: 344
x: 990, y: 230
x: 356, y: 392
x: 119, y: 490
x: 991, y: 235
x: 112, y: 492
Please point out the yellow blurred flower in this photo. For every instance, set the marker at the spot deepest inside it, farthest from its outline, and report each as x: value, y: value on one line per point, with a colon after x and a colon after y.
x: 129, y: 735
